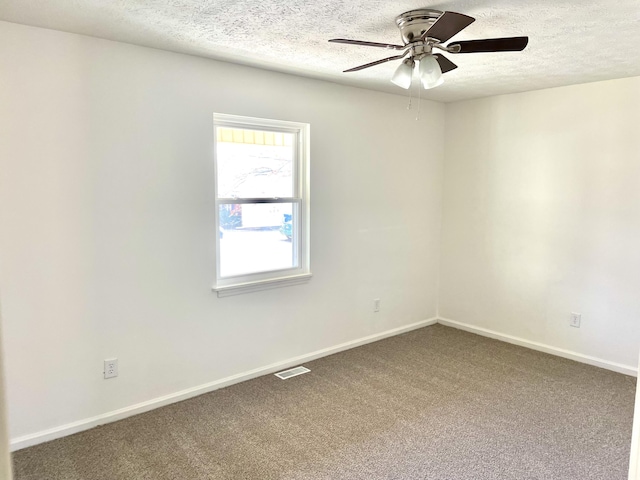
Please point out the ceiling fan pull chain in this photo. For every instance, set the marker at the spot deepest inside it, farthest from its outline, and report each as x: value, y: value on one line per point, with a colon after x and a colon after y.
x: 419, y: 100
x: 410, y: 98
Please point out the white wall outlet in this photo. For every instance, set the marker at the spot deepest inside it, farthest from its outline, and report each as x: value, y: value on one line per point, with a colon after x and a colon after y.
x: 376, y: 304
x: 576, y: 318
x: 110, y: 367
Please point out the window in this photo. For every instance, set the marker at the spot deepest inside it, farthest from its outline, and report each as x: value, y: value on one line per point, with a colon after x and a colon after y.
x: 262, y: 203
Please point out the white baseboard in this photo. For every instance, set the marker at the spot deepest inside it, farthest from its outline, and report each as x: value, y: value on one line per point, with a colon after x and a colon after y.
x: 541, y: 347
x: 88, y: 423
x: 634, y: 456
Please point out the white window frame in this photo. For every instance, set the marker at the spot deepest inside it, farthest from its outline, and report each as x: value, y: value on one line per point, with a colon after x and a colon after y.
x: 234, y: 285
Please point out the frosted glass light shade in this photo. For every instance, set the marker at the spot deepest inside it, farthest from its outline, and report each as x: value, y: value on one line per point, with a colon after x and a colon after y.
x: 430, y: 73
x: 403, y: 74
x: 427, y: 86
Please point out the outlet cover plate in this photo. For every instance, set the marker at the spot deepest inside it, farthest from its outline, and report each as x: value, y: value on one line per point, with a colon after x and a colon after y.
x: 576, y: 318
x: 110, y: 368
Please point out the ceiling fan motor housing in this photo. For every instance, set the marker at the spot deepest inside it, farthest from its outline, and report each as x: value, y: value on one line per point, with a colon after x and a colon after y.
x: 414, y: 23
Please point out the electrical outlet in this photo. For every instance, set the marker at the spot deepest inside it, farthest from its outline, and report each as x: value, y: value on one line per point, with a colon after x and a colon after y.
x: 110, y: 367
x: 576, y: 318
x: 376, y: 304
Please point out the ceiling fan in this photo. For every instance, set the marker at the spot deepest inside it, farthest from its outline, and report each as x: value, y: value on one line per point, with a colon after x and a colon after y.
x: 422, y: 31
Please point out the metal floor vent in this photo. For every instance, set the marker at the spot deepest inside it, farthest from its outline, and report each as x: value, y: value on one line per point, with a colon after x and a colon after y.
x: 292, y: 372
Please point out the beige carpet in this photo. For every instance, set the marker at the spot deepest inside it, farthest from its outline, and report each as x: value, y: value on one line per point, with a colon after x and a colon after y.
x: 436, y: 403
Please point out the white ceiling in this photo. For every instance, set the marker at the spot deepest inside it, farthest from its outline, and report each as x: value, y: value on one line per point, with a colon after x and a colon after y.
x: 570, y: 42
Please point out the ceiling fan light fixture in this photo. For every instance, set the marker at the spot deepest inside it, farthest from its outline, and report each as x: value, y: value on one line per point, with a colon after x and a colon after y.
x: 423, y: 30
x: 403, y: 74
x: 430, y: 72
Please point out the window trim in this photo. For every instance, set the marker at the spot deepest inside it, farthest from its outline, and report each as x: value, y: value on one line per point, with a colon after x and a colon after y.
x: 235, y: 285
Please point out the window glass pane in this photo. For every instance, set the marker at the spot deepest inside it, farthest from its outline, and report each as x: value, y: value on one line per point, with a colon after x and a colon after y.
x: 254, y: 163
x: 256, y: 238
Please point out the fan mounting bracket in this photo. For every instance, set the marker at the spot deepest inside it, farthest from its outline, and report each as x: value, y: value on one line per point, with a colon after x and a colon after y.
x: 414, y: 23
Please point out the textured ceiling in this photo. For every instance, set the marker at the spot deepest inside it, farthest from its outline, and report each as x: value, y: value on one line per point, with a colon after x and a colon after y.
x: 570, y: 42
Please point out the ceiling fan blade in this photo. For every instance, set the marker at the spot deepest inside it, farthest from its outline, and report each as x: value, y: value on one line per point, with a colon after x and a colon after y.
x: 446, y: 65
x: 377, y: 62
x: 513, y: 44
x: 367, y: 44
x: 448, y: 25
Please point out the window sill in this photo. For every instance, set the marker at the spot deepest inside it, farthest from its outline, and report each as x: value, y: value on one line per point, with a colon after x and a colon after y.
x: 248, y: 287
